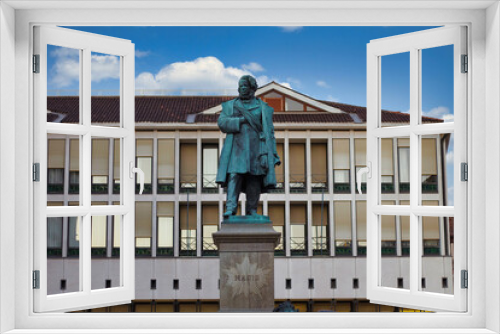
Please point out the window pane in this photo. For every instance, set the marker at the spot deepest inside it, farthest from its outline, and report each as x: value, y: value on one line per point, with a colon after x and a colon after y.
x: 436, y: 255
x: 395, y: 270
x: 437, y: 84
x: 165, y: 228
x: 320, y: 239
x: 188, y: 168
x: 342, y: 223
x: 361, y: 226
x: 100, y: 165
x: 166, y: 166
x: 188, y: 226
x: 106, y: 269
x: 360, y: 160
x: 143, y: 228
x: 297, y: 167
x: 387, y: 166
x: 63, y: 273
x: 116, y: 167
x: 63, y: 84
x: 395, y: 89
x: 106, y: 90
x: 56, y: 161
x: 319, y: 175
x: 210, y: 166
x: 403, y: 165
x: 341, y: 165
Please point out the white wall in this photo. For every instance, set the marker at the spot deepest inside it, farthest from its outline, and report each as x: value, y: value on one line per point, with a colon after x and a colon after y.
x: 7, y: 159
x: 492, y: 145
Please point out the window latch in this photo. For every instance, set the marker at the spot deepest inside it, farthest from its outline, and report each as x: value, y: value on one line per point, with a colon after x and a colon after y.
x: 139, y: 172
x: 365, y: 170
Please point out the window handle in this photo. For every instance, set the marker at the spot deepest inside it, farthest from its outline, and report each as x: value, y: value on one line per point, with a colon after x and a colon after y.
x: 359, y: 174
x: 140, y: 173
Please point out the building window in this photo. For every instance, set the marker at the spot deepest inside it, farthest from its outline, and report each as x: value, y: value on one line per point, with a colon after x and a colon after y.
x: 387, y: 167
x: 143, y: 228
x: 388, y: 232
x: 116, y: 166
x: 298, y: 229
x: 73, y: 236
x: 210, y: 166
x: 360, y: 160
x: 100, y: 166
x: 74, y: 166
x: 165, y: 228
x: 276, y: 213
x: 188, y: 168
x: 188, y: 226
x: 342, y: 222
x: 341, y: 166
x: 210, y: 224
x: 99, y: 234
x: 55, y: 163
x: 320, y: 226
x: 405, y: 232
x: 404, y: 165
x: 297, y: 168
x: 166, y: 166
x: 280, y: 170
x: 319, y: 166
x: 144, y: 156
x: 54, y: 236
x: 430, y: 230
x: 429, y: 166
x: 361, y: 227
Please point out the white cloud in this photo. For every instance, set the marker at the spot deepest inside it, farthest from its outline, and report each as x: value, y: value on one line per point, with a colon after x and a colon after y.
x: 291, y: 28
x: 332, y: 98
x: 141, y: 54
x: 66, y: 68
x: 252, y: 67
x: 323, y: 84
x: 440, y: 112
x: 207, y: 75
x: 449, y: 157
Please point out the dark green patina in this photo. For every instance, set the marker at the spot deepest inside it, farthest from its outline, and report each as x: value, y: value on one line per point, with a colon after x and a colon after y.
x: 249, y: 154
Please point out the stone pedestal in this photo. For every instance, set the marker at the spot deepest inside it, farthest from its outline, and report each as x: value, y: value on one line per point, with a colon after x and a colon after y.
x: 246, y: 250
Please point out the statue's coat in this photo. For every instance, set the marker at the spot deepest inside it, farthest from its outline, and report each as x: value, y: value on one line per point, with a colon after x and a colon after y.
x: 230, y: 124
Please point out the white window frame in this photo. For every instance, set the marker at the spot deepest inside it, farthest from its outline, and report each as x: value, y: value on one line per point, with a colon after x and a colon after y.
x: 413, y: 43
x: 15, y: 39
x: 86, y: 43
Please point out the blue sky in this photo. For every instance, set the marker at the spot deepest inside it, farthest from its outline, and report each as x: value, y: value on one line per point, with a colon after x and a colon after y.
x: 326, y: 63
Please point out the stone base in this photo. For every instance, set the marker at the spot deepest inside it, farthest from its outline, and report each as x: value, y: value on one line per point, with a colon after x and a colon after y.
x: 246, y: 251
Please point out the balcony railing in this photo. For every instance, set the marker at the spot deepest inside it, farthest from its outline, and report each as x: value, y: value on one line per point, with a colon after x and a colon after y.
x: 209, y: 247
x: 388, y: 248
x: 319, y: 183
x: 55, y: 188
x: 342, y: 188
x: 165, y: 186
x: 165, y: 251
x: 99, y: 188
x: 298, y: 246
x: 387, y: 188
x: 320, y: 245
x: 148, y: 188
x: 298, y: 183
x: 188, y: 183
x: 188, y: 246
x: 343, y: 248
x: 280, y: 188
x: 209, y: 184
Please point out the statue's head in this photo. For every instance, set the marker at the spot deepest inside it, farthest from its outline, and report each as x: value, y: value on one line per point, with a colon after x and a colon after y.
x: 247, y: 87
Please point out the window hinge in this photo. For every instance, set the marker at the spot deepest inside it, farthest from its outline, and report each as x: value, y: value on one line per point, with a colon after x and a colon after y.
x: 464, y: 171
x: 36, y: 172
x: 465, y: 279
x: 465, y: 64
x: 36, y: 279
x: 36, y: 63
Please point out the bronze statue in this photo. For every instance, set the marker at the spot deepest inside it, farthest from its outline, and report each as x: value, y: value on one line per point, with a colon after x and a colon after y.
x: 249, y: 154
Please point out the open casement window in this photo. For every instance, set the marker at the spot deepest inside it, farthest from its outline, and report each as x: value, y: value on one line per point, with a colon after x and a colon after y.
x: 428, y: 220
x: 86, y: 221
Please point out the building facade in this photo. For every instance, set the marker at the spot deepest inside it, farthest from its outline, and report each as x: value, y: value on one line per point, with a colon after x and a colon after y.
x: 320, y: 262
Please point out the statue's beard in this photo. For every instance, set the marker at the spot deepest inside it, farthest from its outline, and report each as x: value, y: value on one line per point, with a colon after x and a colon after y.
x: 247, y: 96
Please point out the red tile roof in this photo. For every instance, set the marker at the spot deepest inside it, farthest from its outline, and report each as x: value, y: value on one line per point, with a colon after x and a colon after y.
x: 174, y: 109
